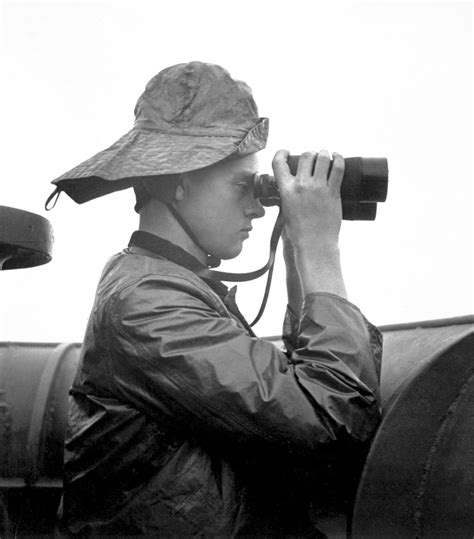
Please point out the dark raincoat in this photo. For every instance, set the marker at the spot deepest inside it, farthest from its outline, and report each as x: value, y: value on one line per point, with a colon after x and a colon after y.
x: 182, y: 422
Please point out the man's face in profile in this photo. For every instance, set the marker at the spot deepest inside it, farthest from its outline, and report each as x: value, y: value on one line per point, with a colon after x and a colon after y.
x: 218, y: 204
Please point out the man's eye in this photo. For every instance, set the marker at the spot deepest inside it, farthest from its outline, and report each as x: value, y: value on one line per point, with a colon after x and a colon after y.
x: 244, y: 187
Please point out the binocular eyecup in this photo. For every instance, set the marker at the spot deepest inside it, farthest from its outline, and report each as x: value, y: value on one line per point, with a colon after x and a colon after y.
x: 365, y: 182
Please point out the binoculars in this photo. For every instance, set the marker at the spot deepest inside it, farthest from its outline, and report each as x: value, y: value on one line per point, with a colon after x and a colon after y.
x: 365, y: 182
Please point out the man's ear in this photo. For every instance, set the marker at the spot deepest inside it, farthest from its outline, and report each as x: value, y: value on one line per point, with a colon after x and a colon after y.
x: 183, y: 187
x: 179, y: 194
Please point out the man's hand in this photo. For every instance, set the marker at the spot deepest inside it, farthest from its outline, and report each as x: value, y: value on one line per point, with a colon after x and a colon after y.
x: 311, y: 200
x: 311, y: 206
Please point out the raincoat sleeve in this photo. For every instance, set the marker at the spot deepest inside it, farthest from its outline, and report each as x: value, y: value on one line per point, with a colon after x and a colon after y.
x: 176, y: 352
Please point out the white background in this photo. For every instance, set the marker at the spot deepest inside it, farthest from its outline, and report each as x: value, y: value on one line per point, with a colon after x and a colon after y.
x: 366, y: 79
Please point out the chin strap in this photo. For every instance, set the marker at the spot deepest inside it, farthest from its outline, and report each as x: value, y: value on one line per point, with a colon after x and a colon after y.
x: 239, y: 277
x: 213, y: 261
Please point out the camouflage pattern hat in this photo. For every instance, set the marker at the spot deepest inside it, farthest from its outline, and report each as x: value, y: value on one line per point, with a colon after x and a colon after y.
x: 190, y: 116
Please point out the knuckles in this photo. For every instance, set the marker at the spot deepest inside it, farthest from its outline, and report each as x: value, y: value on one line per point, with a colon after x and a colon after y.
x: 308, y: 156
x: 280, y: 159
x: 324, y: 156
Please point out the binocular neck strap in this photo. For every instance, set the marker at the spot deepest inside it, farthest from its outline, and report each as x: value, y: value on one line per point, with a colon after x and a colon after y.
x: 239, y: 277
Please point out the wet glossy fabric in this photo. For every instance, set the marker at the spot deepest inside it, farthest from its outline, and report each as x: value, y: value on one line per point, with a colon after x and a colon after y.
x: 181, y: 423
x: 190, y: 116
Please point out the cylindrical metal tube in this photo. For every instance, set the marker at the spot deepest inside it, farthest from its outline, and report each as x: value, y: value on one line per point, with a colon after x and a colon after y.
x: 418, y: 480
x: 34, y: 384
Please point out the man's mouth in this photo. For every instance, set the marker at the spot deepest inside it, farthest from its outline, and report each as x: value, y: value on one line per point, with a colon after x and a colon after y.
x: 246, y: 231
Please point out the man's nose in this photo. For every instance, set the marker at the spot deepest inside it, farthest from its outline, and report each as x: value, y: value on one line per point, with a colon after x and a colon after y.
x: 255, y: 209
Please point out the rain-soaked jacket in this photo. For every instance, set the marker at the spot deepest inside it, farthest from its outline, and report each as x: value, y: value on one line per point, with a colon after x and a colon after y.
x: 182, y: 422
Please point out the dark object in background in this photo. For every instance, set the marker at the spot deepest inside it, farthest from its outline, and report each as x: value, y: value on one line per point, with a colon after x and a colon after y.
x: 34, y: 383
x: 365, y: 183
x: 418, y: 479
x: 26, y: 239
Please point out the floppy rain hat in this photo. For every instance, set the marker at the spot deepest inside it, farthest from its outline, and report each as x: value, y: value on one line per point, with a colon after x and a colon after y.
x: 190, y: 116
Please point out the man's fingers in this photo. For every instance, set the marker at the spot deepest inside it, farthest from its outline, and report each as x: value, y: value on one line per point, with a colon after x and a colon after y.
x: 305, y: 166
x: 280, y: 165
x: 322, y: 167
x: 337, y: 173
x: 312, y: 167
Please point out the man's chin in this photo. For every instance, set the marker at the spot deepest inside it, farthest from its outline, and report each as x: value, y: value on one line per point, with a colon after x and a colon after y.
x: 230, y: 253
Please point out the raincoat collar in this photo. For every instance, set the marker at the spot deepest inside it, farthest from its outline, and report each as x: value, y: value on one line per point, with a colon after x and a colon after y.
x: 162, y: 247
x: 174, y: 253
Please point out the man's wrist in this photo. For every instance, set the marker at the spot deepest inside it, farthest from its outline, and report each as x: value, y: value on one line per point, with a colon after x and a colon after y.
x: 318, y: 251
x: 320, y: 270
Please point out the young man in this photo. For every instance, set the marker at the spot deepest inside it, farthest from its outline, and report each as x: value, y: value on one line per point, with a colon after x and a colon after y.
x: 181, y: 421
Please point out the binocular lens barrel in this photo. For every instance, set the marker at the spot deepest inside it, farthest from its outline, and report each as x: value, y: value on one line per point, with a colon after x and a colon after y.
x: 365, y: 182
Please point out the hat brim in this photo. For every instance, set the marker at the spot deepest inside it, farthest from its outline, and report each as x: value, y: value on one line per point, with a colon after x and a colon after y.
x: 146, y: 153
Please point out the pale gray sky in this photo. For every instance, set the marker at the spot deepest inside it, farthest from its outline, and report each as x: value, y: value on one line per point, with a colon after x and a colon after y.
x: 361, y: 78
